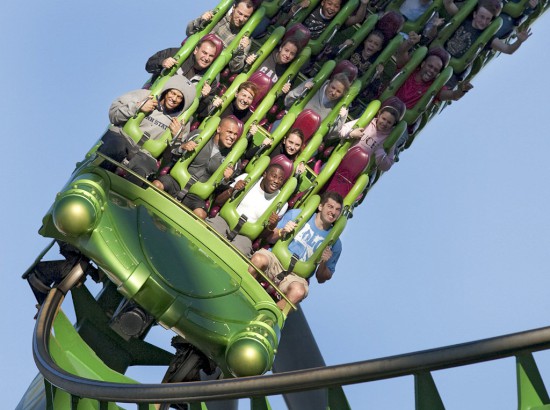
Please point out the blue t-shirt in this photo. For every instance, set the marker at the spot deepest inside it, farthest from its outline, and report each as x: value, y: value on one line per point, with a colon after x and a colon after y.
x: 309, y: 238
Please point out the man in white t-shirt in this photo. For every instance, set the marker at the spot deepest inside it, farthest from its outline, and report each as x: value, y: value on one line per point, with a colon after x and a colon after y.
x: 253, y: 205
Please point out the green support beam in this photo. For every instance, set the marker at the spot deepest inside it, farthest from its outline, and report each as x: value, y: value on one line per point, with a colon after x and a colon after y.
x: 426, y: 395
x: 532, y: 394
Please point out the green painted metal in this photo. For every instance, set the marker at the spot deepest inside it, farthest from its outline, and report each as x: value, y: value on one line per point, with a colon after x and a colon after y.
x: 532, y: 394
x: 192, y: 282
x: 161, y: 256
x: 515, y: 9
x: 337, y: 399
x: 259, y: 403
x: 73, y: 355
x: 425, y: 392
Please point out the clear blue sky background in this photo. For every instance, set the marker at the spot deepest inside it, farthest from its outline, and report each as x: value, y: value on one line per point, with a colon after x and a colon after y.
x: 449, y: 247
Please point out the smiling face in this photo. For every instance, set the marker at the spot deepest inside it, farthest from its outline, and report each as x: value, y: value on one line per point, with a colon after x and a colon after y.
x: 329, y: 212
x: 227, y: 133
x: 204, y: 55
x: 372, y: 45
x: 243, y: 99
x: 385, y: 121
x: 481, y: 18
x: 240, y: 15
x: 330, y: 8
x: 172, y: 99
x: 334, y: 91
x: 292, y: 144
x: 273, y: 179
x: 287, y: 53
x: 430, y: 68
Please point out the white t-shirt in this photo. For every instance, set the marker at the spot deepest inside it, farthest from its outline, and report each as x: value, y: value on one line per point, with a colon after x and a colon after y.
x: 256, y: 201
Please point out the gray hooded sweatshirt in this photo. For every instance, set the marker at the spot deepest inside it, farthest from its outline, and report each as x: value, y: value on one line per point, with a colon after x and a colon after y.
x: 157, y: 121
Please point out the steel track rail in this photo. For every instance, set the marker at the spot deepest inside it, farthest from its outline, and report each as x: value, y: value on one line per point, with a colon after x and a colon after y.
x: 351, y: 373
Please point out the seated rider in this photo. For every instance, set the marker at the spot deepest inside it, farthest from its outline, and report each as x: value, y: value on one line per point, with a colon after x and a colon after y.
x: 239, y: 107
x: 372, y: 137
x: 292, y: 145
x: 228, y: 28
x: 304, y: 244
x: 207, y: 161
x: 193, y: 68
x: 176, y: 97
x: 253, y: 205
x: 325, y: 99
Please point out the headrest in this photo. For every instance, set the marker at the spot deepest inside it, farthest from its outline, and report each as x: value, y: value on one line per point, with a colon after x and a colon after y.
x: 214, y: 39
x: 264, y: 84
x: 284, y: 162
x: 441, y: 53
x: 395, y: 103
x: 390, y: 24
x: 348, y: 68
x: 308, y: 121
x: 299, y: 34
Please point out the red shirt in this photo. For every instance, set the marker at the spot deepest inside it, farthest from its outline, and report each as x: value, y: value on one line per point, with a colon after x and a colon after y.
x: 412, y: 91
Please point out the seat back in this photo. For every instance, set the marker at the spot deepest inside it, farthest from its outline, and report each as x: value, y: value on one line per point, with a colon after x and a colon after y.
x: 441, y: 53
x: 353, y: 164
x: 348, y: 68
x: 284, y: 162
x: 308, y: 121
x: 264, y: 84
x: 217, y: 42
x: 299, y: 34
x: 390, y: 24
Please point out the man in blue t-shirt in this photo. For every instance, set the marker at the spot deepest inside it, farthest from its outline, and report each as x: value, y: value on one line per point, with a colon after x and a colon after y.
x: 304, y: 244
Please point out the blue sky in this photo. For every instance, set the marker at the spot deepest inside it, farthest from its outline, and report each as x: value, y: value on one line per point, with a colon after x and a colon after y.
x: 449, y: 247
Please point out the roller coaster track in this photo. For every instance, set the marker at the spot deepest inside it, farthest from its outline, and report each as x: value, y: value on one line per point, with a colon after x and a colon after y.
x: 532, y: 393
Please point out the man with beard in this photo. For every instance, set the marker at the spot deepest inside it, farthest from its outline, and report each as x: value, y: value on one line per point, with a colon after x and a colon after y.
x: 253, y: 205
x: 228, y: 28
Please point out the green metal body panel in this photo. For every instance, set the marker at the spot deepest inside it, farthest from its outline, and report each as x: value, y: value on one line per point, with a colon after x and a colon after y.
x: 166, y: 260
